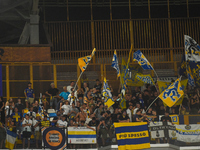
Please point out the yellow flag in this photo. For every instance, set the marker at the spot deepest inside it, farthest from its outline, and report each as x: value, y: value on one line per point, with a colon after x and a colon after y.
x: 84, y: 61
x: 145, y: 78
x: 108, y: 100
x: 172, y: 94
x: 164, y: 85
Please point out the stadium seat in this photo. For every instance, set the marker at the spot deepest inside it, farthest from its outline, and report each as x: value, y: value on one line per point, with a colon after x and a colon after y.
x: 51, y: 111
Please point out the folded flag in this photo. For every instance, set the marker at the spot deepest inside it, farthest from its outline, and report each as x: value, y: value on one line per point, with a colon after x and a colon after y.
x: 10, y: 139
x: 84, y: 61
x: 142, y: 61
x: 145, y: 78
x: 115, y: 64
x: 172, y: 94
x: 108, y: 100
x: 132, y: 135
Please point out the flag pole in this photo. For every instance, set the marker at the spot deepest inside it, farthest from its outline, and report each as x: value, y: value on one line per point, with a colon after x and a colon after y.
x: 77, y: 81
x: 151, y: 104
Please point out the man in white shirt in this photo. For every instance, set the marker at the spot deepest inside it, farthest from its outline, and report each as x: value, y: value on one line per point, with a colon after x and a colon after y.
x: 36, y: 125
x: 137, y: 107
x: 66, y: 108
x: 62, y: 123
x: 69, y: 87
x: 26, y: 124
x: 129, y: 112
x: 31, y: 113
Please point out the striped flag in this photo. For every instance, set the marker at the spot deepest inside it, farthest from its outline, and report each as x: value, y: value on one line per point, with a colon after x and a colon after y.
x: 132, y: 135
x: 10, y: 139
x: 107, y: 94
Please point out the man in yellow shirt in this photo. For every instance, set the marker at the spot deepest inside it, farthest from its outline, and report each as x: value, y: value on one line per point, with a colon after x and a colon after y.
x: 45, y: 122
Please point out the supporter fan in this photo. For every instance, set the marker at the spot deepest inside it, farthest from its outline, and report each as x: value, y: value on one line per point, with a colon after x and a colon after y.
x: 60, y: 103
x: 17, y: 118
x: 73, y: 111
x: 129, y: 111
x: 31, y: 113
x: 2, y: 110
x: 20, y: 106
x: 149, y: 112
x: 80, y: 94
x: 98, y: 85
x: 194, y: 104
x: 37, y: 125
x: 53, y: 92
x: 3, y: 135
x: 61, y: 123
x: 65, y: 109
x: 44, y: 101
x: 85, y: 88
x: 69, y: 87
x: 115, y: 115
x: 9, y: 110
x: 154, y: 116
x: 138, y: 116
x: 72, y: 98
x: 81, y: 116
x: 29, y: 94
x: 99, y: 110
x: 138, y: 107
x: 26, y: 124
x: 124, y: 117
x: 185, y: 107
x: 65, y: 93
x: 166, y: 117
x: 45, y: 122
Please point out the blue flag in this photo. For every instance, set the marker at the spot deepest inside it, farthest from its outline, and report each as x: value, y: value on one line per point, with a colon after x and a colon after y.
x: 115, y: 64
x: 190, y: 77
x: 107, y: 94
x: 1, y: 85
x: 142, y: 61
x: 195, y: 70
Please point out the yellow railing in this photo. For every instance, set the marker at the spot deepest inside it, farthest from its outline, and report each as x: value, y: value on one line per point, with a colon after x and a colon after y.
x: 74, y: 39
x: 17, y: 75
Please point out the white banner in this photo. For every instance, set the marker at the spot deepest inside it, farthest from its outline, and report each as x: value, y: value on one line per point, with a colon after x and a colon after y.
x: 160, y: 130
x: 81, y: 135
x: 157, y: 130
x: 188, y: 133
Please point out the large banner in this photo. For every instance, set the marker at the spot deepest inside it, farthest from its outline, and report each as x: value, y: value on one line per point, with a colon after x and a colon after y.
x: 81, y: 135
x: 132, y: 135
x: 161, y: 130
x: 54, y: 138
x: 188, y: 133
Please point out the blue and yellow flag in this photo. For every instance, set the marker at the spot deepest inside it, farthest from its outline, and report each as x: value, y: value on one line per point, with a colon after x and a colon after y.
x: 123, y: 103
x: 108, y: 100
x: 84, y: 61
x: 142, y: 61
x: 115, y: 64
x: 164, y: 85
x: 172, y: 94
x: 130, y: 76
x: 190, y: 76
x: 145, y: 78
x: 132, y: 135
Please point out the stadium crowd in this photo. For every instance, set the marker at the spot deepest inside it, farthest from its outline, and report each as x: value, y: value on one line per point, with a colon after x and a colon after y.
x: 85, y: 107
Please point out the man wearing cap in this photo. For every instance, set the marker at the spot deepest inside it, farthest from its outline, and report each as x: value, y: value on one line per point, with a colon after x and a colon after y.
x: 36, y: 125
x: 26, y: 124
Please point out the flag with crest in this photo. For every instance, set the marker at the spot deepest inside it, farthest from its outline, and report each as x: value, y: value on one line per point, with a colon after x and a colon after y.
x: 142, y: 61
x: 108, y: 100
x: 145, y: 78
x: 172, y: 94
x: 130, y: 76
x: 84, y: 61
x: 192, y: 49
x: 115, y: 64
x: 164, y: 85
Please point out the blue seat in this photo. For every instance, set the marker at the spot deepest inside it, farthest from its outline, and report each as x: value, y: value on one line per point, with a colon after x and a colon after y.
x: 52, y: 115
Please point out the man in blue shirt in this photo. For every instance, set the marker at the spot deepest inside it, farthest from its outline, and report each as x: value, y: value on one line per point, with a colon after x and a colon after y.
x: 29, y: 94
x: 16, y: 117
x: 65, y: 93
